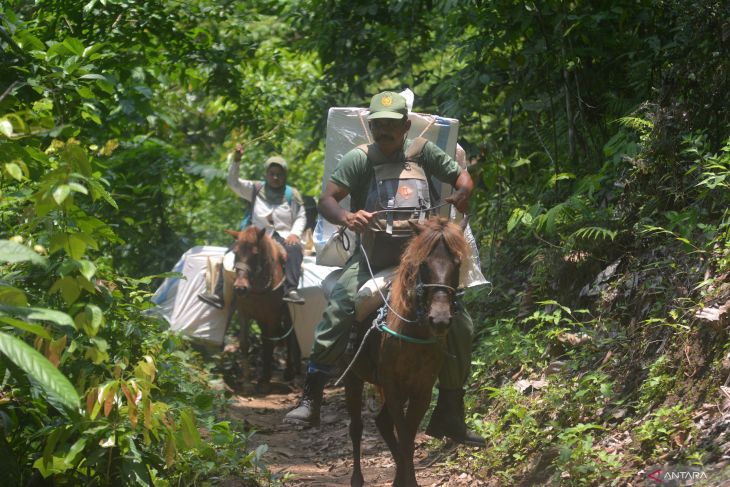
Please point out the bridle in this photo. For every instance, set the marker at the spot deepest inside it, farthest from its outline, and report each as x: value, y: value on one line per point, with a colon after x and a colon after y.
x: 246, y: 269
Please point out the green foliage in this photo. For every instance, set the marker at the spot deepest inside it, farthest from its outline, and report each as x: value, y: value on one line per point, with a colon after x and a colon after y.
x: 57, y: 387
x: 657, y: 384
x: 666, y: 425
x: 580, y: 461
x: 599, y: 134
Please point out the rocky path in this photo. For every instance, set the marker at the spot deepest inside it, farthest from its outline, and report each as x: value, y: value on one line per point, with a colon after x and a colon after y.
x: 322, y: 457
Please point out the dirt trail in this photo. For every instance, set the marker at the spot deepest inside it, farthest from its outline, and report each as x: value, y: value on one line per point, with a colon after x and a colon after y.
x: 322, y: 457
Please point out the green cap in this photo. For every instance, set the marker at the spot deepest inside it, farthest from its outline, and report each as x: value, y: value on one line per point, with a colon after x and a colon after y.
x: 278, y: 160
x: 388, y: 105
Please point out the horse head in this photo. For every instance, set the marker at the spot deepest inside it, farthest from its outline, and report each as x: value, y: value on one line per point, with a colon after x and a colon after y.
x: 429, y: 273
x: 252, y: 260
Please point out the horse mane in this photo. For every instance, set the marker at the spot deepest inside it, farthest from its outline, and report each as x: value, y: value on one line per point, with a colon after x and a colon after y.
x: 417, y: 251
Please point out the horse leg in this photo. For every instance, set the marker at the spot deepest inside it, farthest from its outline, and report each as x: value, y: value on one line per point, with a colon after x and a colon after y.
x: 293, y: 353
x: 385, y: 426
x: 353, y: 398
x: 394, y: 403
x: 417, y: 406
x: 243, y: 344
x: 267, y: 360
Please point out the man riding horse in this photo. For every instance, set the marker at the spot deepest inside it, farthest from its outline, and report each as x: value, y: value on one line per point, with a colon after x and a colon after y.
x: 276, y: 207
x: 355, y: 175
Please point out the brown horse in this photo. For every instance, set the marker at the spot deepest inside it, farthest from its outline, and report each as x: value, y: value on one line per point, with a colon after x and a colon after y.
x: 258, y: 287
x: 405, y: 360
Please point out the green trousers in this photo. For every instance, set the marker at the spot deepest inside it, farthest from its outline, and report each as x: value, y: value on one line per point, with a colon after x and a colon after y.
x: 332, y: 333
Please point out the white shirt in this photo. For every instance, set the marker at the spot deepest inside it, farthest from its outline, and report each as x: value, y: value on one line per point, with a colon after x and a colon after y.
x: 274, y: 217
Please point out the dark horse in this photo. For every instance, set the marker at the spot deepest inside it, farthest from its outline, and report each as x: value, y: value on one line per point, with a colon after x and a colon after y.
x: 405, y: 359
x: 258, y: 287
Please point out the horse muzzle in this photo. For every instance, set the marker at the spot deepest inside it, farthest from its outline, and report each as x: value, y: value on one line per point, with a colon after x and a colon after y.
x: 439, y: 318
x: 241, y: 287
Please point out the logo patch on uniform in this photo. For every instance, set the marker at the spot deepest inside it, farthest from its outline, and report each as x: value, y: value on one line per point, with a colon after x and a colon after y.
x: 405, y: 191
x: 386, y: 101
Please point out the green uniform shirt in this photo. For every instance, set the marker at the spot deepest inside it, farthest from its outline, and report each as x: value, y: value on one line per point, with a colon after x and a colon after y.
x: 355, y: 173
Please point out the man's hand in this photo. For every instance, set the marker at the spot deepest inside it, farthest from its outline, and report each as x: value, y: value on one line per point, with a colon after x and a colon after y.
x: 239, y: 152
x: 460, y: 199
x: 462, y: 191
x: 358, y: 221
x: 292, y: 240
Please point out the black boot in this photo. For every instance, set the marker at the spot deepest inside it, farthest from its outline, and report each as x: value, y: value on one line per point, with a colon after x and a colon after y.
x: 448, y: 419
x: 307, y: 412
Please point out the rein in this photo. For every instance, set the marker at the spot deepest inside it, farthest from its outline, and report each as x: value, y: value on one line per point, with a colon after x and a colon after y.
x: 381, y: 324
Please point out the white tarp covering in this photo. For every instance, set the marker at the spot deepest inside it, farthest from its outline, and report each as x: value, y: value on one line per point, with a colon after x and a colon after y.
x: 177, y: 299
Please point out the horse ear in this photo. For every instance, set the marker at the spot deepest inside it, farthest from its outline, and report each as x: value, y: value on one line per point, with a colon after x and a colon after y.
x: 232, y: 233
x: 417, y: 229
x: 464, y: 222
x: 260, y: 232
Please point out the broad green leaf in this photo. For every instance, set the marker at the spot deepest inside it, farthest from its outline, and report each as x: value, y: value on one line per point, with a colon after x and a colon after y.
x: 85, y: 92
x: 51, y: 381
x: 97, y: 353
x: 14, y: 252
x: 12, y: 296
x: 71, y: 243
x: 60, y: 193
x: 75, y: 449
x: 78, y: 188
x: 55, y: 466
x: 30, y: 327
x: 74, y: 45
x: 76, y: 157
x: 190, y: 434
x: 87, y: 268
x: 76, y: 247
x: 98, y: 191
x: 14, y: 170
x: 85, y: 284
x: 86, y: 238
x: 42, y: 105
x: 69, y: 288
x: 39, y: 314
x: 90, y: 319
x: 515, y: 218
x: 93, y: 76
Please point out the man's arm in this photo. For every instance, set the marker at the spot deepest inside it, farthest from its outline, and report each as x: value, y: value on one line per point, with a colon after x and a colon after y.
x: 329, y: 207
x: 463, y: 187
